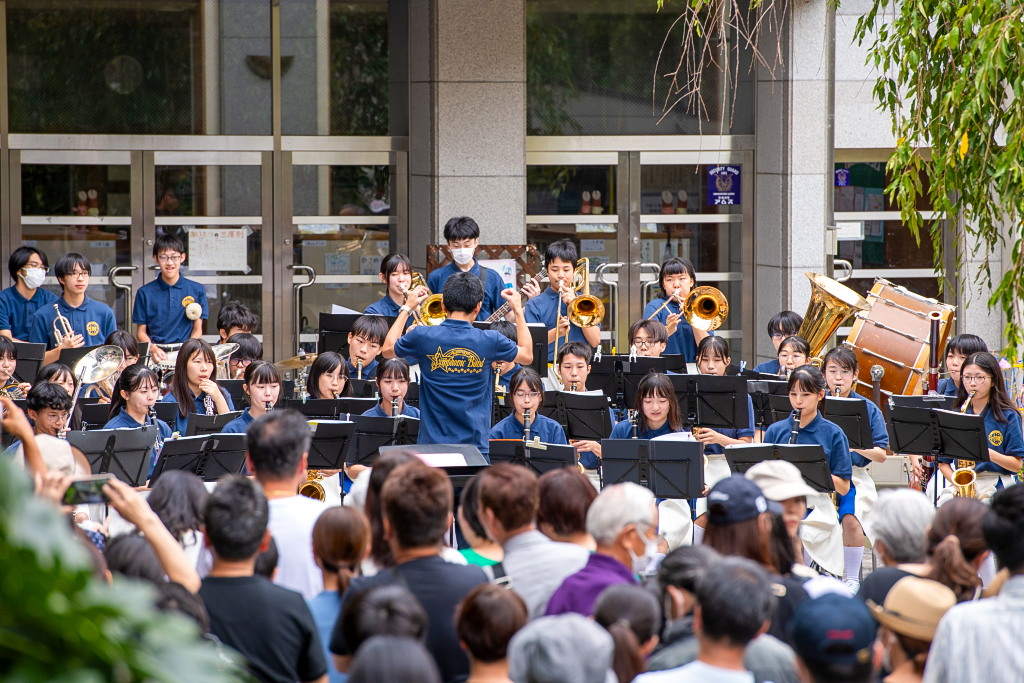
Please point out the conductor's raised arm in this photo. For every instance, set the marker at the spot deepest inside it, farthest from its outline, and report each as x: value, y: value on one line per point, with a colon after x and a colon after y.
x: 523, y: 340
x: 412, y: 301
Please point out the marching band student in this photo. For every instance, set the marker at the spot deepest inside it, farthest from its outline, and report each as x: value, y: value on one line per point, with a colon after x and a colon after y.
x: 91, y: 321
x: 455, y: 358
x: 193, y: 385
x: 573, y: 369
x: 20, y: 301
x: 364, y: 340
x: 782, y: 325
x: 393, y: 382
x: 560, y: 260
x: 463, y: 237
x: 249, y: 350
x: 130, y: 347
x: 8, y: 364
x: 328, y: 377
x: 262, y: 384
x: 62, y: 376
x: 235, y: 317
x: 650, y: 338
x: 656, y: 407
x: 806, y: 390
x: 135, y: 393
x: 677, y: 277
x: 395, y: 274
x: 793, y: 353
x: 528, y: 394
x: 47, y: 406
x: 982, y: 375
x: 712, y: 359
x: 958, y: 349
x: 841, y: 370
x: 505, y: 369
x: 160, y: 305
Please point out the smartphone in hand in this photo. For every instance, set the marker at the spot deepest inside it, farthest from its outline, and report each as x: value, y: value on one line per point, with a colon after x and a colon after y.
x: 87, y: 490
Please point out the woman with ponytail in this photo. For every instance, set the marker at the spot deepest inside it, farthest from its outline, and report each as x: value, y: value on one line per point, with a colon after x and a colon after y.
x: 341, y: 538
x: 957, y: 548
x: 632, y: 616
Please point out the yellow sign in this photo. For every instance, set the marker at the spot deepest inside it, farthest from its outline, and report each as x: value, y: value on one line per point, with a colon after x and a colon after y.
x: 187, y: 300
x: 456, y: 360
x: 93, y: 328
x: 995, y: 437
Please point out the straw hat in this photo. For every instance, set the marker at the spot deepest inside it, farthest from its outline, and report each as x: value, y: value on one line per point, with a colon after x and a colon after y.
x: 914, y: 606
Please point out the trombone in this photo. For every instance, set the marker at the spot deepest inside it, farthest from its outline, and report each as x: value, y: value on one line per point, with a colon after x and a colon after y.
x: 586, y: 310
x: 430, y: 312
x: 64, y: 323
x: 705, y: 309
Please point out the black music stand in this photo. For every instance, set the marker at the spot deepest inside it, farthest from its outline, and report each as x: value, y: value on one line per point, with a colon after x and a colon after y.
x: 779, y: 408
x: 675, y: 363
x: 582, y: 416
x: 759, y: 391
x: 373, y: 432
x: 209, y: 457
x: 125, y: 453
x: 330, y: 408
x: 329, y: 446
x: 538, y: 340
x: 168, y: 412
x: 30, y: 358
x: 412, y: 396
x: 94, y: 415
x: 334, y: 329
x: 810, y: 459
x: 618, y: 376
x: 472, y: 454
x: 669, y: 468
x: 209, y: 424
x: 143, y: 354
x: 363, y: 388
x: 712, y: 401
x: 927, y: 401
x: 89, y: 400
x: 538, y: 457
x: 70, y: 357
x: 851, y: 414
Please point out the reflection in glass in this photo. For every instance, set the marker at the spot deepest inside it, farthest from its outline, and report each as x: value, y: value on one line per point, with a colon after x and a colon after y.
x: 79, y: 190
x: 250, y: 295
x: 889, y: 244
x: 208, y: 191
x: 864, y: 188
x: 922, y: 286
x: 570, y: 190
x: 342, y: 191
x: 241, y: 252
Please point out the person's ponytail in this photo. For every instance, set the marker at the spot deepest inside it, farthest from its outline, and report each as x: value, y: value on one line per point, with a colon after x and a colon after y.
x: 627, y: 662
x: 950, y: 568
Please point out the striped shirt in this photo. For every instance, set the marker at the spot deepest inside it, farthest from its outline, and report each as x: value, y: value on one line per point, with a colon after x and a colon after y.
x: 981, y: 640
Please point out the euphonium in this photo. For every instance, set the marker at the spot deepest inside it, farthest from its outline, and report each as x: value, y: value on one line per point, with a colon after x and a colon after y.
x: 312, y: 488
x: 964, y: 475
x: 706, y: 308
x: 830, y: 305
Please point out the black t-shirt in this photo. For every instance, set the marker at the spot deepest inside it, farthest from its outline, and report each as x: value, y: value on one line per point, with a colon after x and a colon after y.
x: 269, y: 625
x: 790, y: 592
x: 878, y: 583
x: 439, y: 586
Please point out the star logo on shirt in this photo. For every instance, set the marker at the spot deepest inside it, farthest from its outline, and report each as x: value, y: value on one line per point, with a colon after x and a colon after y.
x: 456, y: 361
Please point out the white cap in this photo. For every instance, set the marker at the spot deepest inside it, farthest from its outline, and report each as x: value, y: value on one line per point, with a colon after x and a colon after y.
x: 779, y: 480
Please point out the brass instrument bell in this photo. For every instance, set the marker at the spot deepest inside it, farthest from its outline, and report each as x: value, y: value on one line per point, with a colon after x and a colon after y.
x: 964, y: 476
x: 830, y: 305
x: 68, y: 331
x: 312, y: 488
x: 705, y: 309
x: 585, y: 310
x: 222, y: 355
x: 95, y: 366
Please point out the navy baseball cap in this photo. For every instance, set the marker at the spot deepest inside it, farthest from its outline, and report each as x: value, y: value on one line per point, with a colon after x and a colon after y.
x: 737, y: 499
x: 833, y: 629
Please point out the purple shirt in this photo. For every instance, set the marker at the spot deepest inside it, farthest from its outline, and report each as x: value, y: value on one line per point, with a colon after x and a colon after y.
x: 579, y: 591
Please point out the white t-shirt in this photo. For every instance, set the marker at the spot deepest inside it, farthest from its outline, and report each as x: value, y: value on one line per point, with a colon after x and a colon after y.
x: 291, y: 525
x: 696, y: 672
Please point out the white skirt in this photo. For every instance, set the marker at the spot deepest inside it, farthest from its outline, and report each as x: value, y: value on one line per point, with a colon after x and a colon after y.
x: 716, y: 470
x: 984, y: 486
x: 865, y: 500
x: 822, y: 534
x: 674, y: 523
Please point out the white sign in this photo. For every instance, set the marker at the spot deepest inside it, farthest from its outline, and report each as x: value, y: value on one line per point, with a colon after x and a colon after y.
x: 314, y: 243
x: 595, y: 227
x: 504, y: 267
x: 369, y: 265
x: 337, y: 264
x: 591, y: 246
x: 218, y: 249
x: 849, y: 230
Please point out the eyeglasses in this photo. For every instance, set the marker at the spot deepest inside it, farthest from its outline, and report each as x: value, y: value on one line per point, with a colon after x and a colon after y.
x: 79, y: 275
x: 55, y: 418
x: 835, y: 372
x: 778, y: 336
x: 645, y: 343
x: 169, y: 258
x: 522, y: 396
x: 244, y: 362
x: 975, y: 379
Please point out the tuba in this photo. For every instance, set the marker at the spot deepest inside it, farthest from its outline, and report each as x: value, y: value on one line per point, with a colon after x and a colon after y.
x: 830, y: 305
x: 705, y: 309
x: 312, y: 488
x: 964, y: 475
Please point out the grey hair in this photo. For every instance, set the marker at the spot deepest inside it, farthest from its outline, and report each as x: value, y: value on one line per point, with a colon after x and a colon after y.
x: 900, y: 521
x: 616, y: 508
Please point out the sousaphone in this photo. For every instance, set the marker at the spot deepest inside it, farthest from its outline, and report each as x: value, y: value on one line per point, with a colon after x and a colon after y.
x: 830, y: 305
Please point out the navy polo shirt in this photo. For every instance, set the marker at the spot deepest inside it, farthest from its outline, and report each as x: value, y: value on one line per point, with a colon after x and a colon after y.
x: 93, y: 320
x: 624, y: 430
x: 715, y: 449
x: 239, y: 425
x: 125, y: 421
x: 456, y: 379
x: 546, y: 429
x: 879, y: 434
x: 947, y: 387
x: 544, y: 309
x: 161, y: 308
x: 1003, y: 437
x: 492, y: 288
x: 769, y: 367
x: 407, y: 411
x: 369, y: 370
x: 680, y: 342
x: 16, y: 312
x: 181, y: 425
x: 818, y: 431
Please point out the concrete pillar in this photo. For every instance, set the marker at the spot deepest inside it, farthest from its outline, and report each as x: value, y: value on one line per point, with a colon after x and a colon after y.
x: 467, y: 126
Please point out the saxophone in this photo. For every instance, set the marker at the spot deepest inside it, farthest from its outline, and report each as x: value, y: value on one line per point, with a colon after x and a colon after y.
x: 964, y: 475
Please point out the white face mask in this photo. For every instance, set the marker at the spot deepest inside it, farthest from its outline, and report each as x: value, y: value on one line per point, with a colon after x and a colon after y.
x: 641, y: 562
x: 462, y: 256
x: 34, y: 277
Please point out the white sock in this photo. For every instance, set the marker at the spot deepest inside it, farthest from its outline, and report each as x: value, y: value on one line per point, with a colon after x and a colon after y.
x: 987, y: 572
x: 698, y: 535
x: 853, y: 558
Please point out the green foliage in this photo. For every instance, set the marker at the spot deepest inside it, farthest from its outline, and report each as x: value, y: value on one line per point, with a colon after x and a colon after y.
x: 60, y: 623
x: 359, y: 70
x: 951, y: 76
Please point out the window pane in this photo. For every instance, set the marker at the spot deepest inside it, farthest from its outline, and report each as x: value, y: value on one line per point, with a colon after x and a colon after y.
x: 865, y: 190
x: 208, y: 191
x: 692, y: 188
x: 75, y: 190
x: 342, y: 191
x: 889, y: 244
x: 569, y: 190
x: 249, y: 295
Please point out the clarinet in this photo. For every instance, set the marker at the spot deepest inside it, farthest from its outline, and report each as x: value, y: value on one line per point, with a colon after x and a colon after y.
x: 526, y: 425
x: 635, y: 422
x: 796, y: 427
x: 394, y: 406
x: 267, y: 407
x: 159, y: 439
x: 208, y: 402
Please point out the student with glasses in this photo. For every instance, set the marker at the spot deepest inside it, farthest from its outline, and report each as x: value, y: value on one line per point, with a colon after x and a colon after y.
x: 982, y: 375
x: 91, y: 321
x: 47, y: 407
x: 650, y: 338
x: 20, y: 301
x: 249, y: 351
x: 160, y: 306
x: 780, y: 327
x: 528, y: 394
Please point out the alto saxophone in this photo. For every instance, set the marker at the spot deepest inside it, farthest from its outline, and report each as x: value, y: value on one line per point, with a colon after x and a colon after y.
x: 964, y: 475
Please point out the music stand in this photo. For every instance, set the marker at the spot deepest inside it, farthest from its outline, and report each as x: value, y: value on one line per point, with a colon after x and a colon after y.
x: 618, y: 376
x: 70, y: 357
x: 94, y: 415
x: 712, y: 401
x: 759, y: 391
x: 582, y: 416
x: 539, y: 458
x: 675, y: 362
x: 927, y: 401
x: 30, y: 358
x: 125, y: 453
x: 810, y: 459
x: 670, y: 469
x: 851, y: 414
x: 330, y: 408
x: 209, y: 424
x: 209, y: 457
x: 363, y: 388
x: 90, y: 400
x: 329, y: 446
x: 334, y: 330
x: 412, y: 396
x: 470, y: 453
x: 779, y: 408
x: 538, y: 340
x: 373, y: 432
x: 168, y: 412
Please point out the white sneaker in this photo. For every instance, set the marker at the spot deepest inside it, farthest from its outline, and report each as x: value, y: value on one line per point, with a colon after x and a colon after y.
x: 853, y: 585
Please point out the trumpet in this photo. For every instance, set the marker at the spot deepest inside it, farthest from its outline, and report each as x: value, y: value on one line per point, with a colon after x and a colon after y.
x: 68, y: 331
x: 964, y: 476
